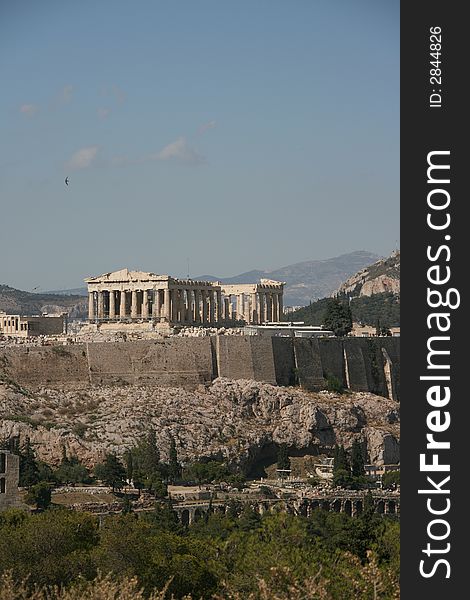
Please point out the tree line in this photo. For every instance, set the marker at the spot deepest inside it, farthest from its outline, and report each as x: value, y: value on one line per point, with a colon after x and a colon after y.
x: 221, y: 554
x: 381, y: 311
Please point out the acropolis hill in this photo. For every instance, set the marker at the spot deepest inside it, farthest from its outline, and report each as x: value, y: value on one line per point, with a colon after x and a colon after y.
x: 234, y: 396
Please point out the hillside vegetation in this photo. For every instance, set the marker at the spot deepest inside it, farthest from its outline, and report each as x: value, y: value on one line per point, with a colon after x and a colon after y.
x: 15, y: 301
x: 384, y: 307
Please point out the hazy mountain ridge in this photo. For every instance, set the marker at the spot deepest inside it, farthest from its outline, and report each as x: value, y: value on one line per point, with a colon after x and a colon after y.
x: 308, y: 280
x: 15, y: 301
x: 305, y: 281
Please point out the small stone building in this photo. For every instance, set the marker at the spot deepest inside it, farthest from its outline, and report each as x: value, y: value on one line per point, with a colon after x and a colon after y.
x: 18, y: 326
x: 9, y: 478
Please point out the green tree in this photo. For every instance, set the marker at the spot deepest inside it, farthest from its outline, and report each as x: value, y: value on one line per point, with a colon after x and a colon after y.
x: 206, y: 471
x: 71, y: 471
x: 50, y: 548
x: 29, y: 468
x: 341, y: 467
x: 111, y: 472
x: 164, y: 516
x: 143, y: 463
x: 174, y: 468
x: 338, y: 317
x: 391, y: 479
x: 283, y: 460
x: 249, y: 519
x: 357, y: 460
x: 40, y: 495
x: 129, y: 463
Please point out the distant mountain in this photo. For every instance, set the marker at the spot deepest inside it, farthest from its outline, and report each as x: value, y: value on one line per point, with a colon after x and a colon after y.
x: 309, y: 280
x: 80, y: 291
x: 18, y: 302
x: 381, y: 277
x: 305, y: 281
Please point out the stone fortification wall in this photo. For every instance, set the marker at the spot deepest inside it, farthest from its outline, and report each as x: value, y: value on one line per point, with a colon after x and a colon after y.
x: 169, y: 362
x: 48, y: 366
x: 371, y: 364
x: 308, y: 364
x: 245, y: 357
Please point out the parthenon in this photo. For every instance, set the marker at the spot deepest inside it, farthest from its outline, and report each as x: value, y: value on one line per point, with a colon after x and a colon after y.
x: 135, y: 296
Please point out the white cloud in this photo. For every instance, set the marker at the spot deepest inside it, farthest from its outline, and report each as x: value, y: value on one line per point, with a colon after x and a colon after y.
x: 203, y: 128
x: 179, y: 151
x: 28, y: 109
x: 103, y: 113
x: 83, y: 158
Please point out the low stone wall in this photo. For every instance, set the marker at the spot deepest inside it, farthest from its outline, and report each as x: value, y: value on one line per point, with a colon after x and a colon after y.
x: 371, y: 364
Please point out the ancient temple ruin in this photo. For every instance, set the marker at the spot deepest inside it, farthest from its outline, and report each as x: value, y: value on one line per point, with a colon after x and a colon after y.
x: 135, y: 296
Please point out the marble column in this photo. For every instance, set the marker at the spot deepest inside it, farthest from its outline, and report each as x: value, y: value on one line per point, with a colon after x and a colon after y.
x: 100, y: 305
x: 275, y: 307
x: 166, y: 305
x: 197, y: 301
x: 238, y: 305
x: 91, y: 305
x: 122, y: 305
x: 175, y: 312
x: 156, y: 306
x: 280, y: 301
x: 145, y: 304
x: 134, y: 305
x: 269, y: 306
x: 226, y: 309
x: 211, y: 307
x: 219, y: 306
x: 254, y: 309
x: 112, y: 304
x: 179, y: 306
x: 204, y: 306
x: 182, y: 305
x: 188, y: 306
x: 190, y: 299
x: 261, y: 307
x: 246, y: 310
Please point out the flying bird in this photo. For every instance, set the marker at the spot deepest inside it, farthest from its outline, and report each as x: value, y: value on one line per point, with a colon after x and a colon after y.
x: 66, y: 181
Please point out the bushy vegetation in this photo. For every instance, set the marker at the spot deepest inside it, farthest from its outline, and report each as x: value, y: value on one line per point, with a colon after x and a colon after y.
x: 348, y: 469
x: 328, y: 555
x: 391, y: 480
x: 369, y: 310
x: 338, y: 317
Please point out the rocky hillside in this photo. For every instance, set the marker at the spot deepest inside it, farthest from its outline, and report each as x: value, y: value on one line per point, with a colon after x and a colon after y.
x: 238, y: 421
x: 14, y: 301
x: 381, y: 277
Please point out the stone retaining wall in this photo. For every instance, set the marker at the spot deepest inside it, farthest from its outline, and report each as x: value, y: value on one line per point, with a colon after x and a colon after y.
x: 361, y: 364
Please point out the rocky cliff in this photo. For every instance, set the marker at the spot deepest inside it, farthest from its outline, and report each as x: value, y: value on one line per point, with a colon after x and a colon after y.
x: 382, y: 276
x: 241, y: 421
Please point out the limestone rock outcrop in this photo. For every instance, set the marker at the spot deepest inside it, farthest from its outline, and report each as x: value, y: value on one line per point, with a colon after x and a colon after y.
x: 382, y: 276
x: 241, y: 421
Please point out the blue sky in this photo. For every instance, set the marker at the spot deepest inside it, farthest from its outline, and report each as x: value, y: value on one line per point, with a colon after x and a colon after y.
x: 238, y: 135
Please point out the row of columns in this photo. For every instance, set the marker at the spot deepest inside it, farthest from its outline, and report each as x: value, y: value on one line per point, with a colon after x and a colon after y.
x: 185, y: 305
x: 256, y: 307
x: 10, y: 324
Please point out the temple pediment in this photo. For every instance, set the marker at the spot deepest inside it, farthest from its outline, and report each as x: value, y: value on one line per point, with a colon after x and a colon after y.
x: 124, y: 275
